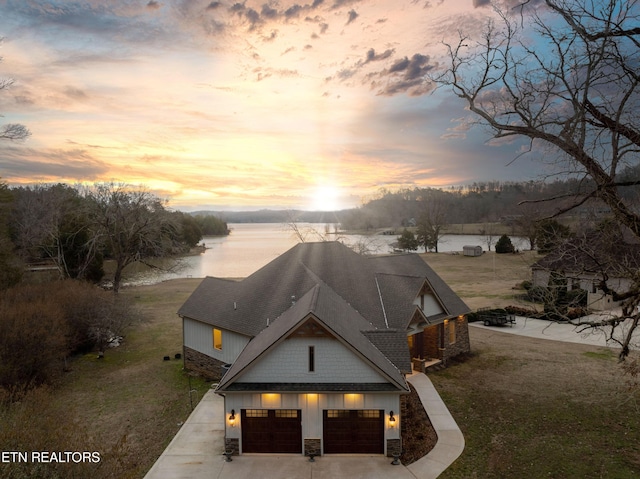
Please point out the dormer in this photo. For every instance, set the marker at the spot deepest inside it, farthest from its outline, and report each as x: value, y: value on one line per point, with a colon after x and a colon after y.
x: 428, y: 302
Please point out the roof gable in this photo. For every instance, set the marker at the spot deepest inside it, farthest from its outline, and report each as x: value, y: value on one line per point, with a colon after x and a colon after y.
x: 327, y: 312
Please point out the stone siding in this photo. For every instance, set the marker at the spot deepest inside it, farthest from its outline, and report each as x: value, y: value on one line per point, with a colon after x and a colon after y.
x: 232, y: 445
x: 312, y: 446
x: 206, y: 366
x: 394, y: 446
x: 461, y: 345
x: 433, y: 339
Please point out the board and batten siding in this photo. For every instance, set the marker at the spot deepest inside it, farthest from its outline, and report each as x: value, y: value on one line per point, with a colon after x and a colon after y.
x: 199, y: 336
x: 312, y: 405
x: 334, y: 363
x: 431, y: 305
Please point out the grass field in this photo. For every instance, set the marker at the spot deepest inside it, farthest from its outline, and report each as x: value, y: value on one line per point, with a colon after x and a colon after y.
x: 527, y: 408
x: 484, y: 281
x: 536, y: 408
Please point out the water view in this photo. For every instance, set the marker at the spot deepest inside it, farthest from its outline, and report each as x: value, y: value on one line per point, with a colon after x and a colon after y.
x: 252, y: 245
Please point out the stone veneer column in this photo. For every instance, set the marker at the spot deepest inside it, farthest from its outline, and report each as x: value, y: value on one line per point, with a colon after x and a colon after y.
x: 312, y: 446
x: 232, y: 444
x: 394, y: 446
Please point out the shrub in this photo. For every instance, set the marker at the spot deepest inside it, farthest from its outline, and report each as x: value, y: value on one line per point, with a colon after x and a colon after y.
x: 33, y: 343
x: 504, y: 245
x: 538, y: 294
x: 576, y: 297
x: 41, y: 324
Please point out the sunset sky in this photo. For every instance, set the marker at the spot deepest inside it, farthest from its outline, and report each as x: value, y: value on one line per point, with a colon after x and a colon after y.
x: 306, y: 104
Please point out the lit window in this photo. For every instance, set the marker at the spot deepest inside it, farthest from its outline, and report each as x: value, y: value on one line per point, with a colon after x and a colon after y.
x: 286, y: 413
x: 452, y: 332
x: 217, y: 339
x: 257, y: 413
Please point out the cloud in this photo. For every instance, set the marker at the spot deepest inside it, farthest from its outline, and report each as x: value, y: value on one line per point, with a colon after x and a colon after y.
x: 408, y: 75
x: 352, y: 16
x: 481, y: 3
x: 47, y: 165
x: 213, y: 6
x: 264, y: 73
x: 75, y: 93
x: 268, y: 12
x: 343, y: 3
x: 153, y: 5
x: 293, y: 11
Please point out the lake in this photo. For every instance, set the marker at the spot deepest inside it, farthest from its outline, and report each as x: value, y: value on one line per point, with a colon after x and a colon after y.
x: 252, y: 245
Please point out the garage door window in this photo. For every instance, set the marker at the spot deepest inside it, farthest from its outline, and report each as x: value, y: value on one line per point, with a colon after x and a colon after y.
x: 369, y: 414
x: 286, y: 413
x: 257, y: 413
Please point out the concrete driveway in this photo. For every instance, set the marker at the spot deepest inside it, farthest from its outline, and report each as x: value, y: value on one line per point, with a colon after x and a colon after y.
x: 196, y: 452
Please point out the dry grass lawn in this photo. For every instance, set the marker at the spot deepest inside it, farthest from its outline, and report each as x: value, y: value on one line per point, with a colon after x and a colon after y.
x: 484, y: 281
x: 536, y: 408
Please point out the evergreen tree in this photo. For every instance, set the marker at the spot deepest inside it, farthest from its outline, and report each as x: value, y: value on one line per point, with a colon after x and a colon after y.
x: 407, y: 241
x: 504, y: 245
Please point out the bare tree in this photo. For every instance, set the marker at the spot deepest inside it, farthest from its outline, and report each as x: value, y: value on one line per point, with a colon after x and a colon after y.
x: 488, y: 233
x: 10, y: 267
x: 432, y: 220
x: 305, y: 233
x: 50, y: 221
x: 132, y: 223
x: 564, y: 74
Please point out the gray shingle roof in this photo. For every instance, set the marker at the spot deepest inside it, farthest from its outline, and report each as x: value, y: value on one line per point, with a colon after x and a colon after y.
x: 351, y: 293
x: 323, y: 305
x: 268, y: 292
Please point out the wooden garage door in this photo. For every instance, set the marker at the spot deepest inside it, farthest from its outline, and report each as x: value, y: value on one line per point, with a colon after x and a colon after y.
x: 271, y: 430
x: 353, y: 431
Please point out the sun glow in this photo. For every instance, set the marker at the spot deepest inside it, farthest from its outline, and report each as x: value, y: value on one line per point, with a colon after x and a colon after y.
x: 326, y: 198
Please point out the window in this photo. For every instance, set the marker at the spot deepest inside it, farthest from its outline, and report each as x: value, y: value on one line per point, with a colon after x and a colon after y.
x: 286, y: 413
x: 335, y: 413
x: 312, y: 359
x: 452, y: 331
x: 257, y: 413
x: 369, y: 413
x: 217, y: 339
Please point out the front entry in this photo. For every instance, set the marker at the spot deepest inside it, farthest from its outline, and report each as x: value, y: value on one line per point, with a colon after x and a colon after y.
x: 271, y: 430
x: 353, y: 431
x: 416, y: 345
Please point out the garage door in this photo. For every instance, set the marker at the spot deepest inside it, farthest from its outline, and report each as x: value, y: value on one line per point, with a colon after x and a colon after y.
x: 353, y: 431
x: 271, y: 430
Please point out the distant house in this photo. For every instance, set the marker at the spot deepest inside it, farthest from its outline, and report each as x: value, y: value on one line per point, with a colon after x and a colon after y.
x: 312, y: 350
x: 585, y: 263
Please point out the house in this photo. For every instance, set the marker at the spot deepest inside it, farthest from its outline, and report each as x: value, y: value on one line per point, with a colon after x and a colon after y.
x: 311, y: 351
x: 602, y: 263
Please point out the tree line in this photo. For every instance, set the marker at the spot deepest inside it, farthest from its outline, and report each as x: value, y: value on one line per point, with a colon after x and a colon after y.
x: 76, y: 229
x: 479, y: 203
